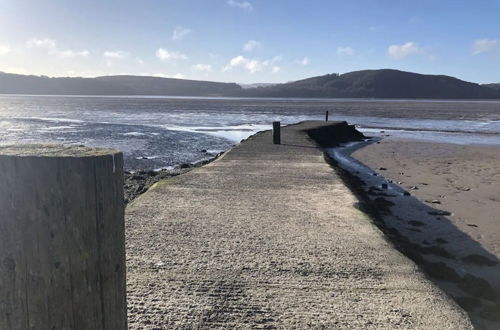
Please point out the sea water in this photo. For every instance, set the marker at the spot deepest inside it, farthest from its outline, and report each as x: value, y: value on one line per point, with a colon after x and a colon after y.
x: 160, y: 132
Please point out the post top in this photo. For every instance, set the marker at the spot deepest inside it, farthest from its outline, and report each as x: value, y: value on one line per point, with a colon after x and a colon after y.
x: 53, y: 150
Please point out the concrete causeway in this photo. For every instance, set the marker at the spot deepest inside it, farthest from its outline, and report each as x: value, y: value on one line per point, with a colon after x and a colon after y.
x: 268, y: 236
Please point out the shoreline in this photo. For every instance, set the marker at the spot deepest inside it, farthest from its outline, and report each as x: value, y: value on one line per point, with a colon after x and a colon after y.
x: 413, y: 208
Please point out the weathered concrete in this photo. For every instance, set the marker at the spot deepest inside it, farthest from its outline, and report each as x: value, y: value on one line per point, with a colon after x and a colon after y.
x: 268, y: 237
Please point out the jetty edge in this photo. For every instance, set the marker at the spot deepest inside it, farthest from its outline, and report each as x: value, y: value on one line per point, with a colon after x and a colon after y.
x: 269, y: 236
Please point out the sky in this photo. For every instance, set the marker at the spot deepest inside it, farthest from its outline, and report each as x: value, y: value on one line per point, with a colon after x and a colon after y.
x: 250, y: 41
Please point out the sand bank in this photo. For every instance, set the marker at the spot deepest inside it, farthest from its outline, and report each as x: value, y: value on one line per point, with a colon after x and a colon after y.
x: 452, y: 216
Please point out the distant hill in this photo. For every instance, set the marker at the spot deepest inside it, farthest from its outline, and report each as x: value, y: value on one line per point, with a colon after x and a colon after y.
x: 112, y: 85
x: 358, y: 84
x: 379, y: 84
x: 494, y: 86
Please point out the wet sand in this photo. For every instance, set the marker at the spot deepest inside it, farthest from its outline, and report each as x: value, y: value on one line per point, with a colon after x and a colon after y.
x: 461, y: 179
x: 451, y: 215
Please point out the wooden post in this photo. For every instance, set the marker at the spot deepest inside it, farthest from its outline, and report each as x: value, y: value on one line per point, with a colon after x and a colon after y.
x: 62, y: 241
x: 326, y: 116
x: 276, y: 132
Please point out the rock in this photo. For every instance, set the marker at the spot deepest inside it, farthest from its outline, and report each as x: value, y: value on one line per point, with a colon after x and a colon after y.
x: 416, y: 223
x: 441, y: 271
x: 480, y: 260
x: 440, y: 240
x: 468, y: 303
x: 434, y: 201
x: 471, y: 225
x: 383, y: 169
x: 203, y: 150
x: 477, y: 287
x: 185, y: 165
x: 414, y: 188
x: 406, y: 193
x: 384, y: 185
x: 439, y: 212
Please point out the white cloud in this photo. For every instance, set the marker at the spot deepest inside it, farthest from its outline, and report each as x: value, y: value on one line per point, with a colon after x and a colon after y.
x: 41, y: 43
x: 345, y: 51
x: 178, y: 76
x: 115, y: 54
x: 167, y: 55
x: 4, y: 49
x: 202, y: 67
x: 484, y: 45
x: 400, y: 51
x: 51, y: 46
x: 251, y: 45
x: 252, y: 65
x: 305, y: 61
x: 275, y: 69
x: 72, y: 54
x: 240, y: 4
x: 139, y: 61
x: 180, y: 32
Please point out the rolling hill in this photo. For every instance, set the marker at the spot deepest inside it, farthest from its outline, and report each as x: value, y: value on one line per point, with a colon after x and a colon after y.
x: 383, y: 83
x: 112, y: 85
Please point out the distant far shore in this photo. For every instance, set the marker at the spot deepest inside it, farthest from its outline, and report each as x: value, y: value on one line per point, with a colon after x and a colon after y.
x: 371, y: 84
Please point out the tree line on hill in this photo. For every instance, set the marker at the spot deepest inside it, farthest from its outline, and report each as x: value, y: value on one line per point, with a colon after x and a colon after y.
x: 384, y: 83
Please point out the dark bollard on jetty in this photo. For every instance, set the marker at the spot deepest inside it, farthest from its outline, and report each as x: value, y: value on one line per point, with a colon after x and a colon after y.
x: 276, y: 132
x: 326, y: 116
x: 62, y: 238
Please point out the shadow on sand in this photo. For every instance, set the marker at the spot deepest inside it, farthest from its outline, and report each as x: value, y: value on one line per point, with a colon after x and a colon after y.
x: 454, y: 261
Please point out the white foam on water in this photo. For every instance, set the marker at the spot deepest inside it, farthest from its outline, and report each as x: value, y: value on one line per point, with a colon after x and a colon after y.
x: 134, y: 134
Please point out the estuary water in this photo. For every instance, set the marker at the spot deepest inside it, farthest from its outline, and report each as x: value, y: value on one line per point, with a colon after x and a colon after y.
x: 161, y: 132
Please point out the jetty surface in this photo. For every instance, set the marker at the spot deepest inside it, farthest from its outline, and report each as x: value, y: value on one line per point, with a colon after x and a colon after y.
x: 269, y: 236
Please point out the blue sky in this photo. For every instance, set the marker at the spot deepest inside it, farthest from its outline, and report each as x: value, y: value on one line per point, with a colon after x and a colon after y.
x: 250, y: 40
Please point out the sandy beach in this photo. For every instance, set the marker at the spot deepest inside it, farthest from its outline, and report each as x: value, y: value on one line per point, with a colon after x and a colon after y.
x: 449, y: 209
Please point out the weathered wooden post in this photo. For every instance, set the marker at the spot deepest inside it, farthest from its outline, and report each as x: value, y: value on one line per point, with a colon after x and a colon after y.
x: 62, y: 242
x: 276, y: 132
x: 326, y: 116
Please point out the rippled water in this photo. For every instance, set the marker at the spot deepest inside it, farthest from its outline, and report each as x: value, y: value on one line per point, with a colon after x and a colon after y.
x: 157, y: 132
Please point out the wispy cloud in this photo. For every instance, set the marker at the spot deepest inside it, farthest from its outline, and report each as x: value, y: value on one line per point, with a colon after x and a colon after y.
x: 4, y: 49
x: 275, y: 69
x: 41, y: 43
x: 202, y: 67
x: 401, y: 51
x: 180, y: 32
x: 115, y: 54
x: 167, y: 55
x: 71, y: 53
x: 251, y: 45
x: 484, y: 45
x: 345, y: 51
x: 240, y: 4
x: 305, y: 61
x: 51, y: 46
x: 251, y: 65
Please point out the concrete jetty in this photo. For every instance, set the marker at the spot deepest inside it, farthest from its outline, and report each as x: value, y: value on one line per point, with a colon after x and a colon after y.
x: 268, y: 236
